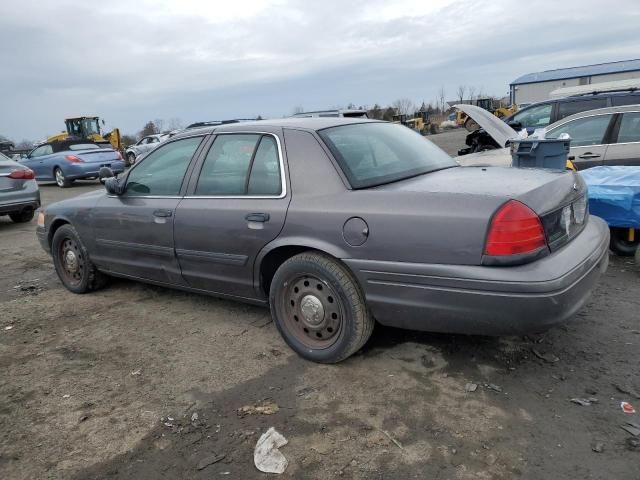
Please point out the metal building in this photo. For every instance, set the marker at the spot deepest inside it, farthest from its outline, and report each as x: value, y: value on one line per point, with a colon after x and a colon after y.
x: 535, y: 87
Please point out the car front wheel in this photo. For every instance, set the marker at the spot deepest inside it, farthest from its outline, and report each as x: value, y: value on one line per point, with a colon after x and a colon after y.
x: 319, y: 309
x: 72, y: 263
x: 61, y: 180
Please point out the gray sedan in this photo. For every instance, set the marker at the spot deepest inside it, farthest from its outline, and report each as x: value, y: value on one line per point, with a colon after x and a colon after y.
x: 336, y: 224
x: 19, y: 193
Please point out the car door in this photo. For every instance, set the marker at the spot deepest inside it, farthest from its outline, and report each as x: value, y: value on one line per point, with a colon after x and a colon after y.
x: 134, y: 231
x: 625, y: 148
x: 236, y: 204
x: 588, y: 147
x: 37, y: 161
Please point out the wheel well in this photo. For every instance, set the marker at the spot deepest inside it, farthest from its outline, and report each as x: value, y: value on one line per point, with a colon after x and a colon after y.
x: 274, y: 259
x: 55, y: 225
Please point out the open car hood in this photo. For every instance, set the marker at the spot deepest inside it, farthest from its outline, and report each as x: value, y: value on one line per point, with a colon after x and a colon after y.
x: 496, y: 128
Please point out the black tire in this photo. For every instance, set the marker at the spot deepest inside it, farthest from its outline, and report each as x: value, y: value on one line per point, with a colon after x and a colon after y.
x: 23, y: 216
x: 131, y: 159
x: 619, y: 242
x: 331, y: 333
x: 61, y: 180
x: 638, y: 256
x: 81, y: 276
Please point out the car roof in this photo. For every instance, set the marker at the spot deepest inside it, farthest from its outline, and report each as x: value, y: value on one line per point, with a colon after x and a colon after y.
x: 311, y: 124
x: 584, y: 96
x: 598, y: 111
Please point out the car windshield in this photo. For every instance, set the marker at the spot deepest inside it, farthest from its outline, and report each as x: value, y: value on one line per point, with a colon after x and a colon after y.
x: 372, y: 154
x: 83, y: 146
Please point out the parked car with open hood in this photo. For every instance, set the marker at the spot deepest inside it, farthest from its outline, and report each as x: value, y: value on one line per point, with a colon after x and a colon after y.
x: 19, y: 194
x: 337, y: 223
x: 65, y: 161
x: 607, y: 136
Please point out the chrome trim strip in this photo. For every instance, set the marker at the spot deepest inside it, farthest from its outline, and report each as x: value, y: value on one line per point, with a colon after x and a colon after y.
x: 224, y: 258
x: 283, y: 179
x: 149, y: 249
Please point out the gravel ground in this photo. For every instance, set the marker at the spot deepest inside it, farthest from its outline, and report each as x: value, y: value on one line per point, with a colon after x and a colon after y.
x: 142, y: 382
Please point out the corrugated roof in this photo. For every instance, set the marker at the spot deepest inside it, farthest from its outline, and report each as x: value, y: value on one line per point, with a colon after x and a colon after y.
x: 574, y: 72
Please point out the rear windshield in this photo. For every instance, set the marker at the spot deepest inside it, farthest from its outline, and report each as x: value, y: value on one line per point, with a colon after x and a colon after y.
x: 375, y: 153
x: 83, y: 146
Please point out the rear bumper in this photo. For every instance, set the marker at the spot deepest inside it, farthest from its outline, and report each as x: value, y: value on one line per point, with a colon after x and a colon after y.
x: 487, y: 300
x: 78, y: 171
x: 31, y: 201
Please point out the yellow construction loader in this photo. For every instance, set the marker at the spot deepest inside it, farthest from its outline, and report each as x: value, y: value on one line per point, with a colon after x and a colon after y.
x: 88, y: 128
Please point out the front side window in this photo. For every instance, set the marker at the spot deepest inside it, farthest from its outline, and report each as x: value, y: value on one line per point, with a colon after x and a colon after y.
x: 161, y: 172
x: 376, y: 153
x: 569, y: 108
x: 583, y: 131
x: 42, y: 150
x: 629, y: 128
x: 241, y: 164
x: 539, y: 116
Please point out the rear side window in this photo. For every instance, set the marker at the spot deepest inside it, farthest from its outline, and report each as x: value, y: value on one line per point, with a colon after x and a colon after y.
x: 583, y: 131
x: 629, y: 128
x: 376, y: 153
x: 161, y: 172
x: 569, y: 108
x: 619, y: 100
x: 241, y: 164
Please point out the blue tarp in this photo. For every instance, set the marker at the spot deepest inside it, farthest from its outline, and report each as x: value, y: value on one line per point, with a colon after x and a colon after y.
x: 614, y: 194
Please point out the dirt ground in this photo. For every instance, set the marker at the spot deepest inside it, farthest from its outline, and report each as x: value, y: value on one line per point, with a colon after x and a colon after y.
x: 142, y: 382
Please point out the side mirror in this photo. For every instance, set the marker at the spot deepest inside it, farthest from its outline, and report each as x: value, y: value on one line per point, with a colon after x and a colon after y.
x: 515, y: 125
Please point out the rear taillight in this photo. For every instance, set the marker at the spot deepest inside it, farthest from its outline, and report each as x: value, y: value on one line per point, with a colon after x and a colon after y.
x: 119, y: 155
x: 26, y: 174
x: 515, y: 230
x: 73, y: 159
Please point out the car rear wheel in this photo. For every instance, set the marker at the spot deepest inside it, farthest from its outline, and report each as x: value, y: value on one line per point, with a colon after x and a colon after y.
x: 131, y: 159
x: 620, y: 243
x: 319, y: 309
x: 61, y: 180
x: 24, y: 216
x: 72, y: 263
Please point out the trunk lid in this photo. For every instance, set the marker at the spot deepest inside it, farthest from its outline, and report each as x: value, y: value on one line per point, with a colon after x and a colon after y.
x: 9, y: 184
x: 100, y: 155
x: 557, y: 197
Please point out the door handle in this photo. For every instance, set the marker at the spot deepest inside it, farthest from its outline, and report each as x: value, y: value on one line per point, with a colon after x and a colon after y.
x: 162, y: 213
x: 257, y: 217
x: 589, y: 155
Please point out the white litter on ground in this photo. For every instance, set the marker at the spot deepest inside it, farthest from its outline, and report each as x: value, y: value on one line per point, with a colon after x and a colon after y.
x: 266, y: 455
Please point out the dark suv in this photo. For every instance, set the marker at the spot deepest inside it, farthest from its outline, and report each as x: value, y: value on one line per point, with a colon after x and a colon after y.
x: 539, y: 115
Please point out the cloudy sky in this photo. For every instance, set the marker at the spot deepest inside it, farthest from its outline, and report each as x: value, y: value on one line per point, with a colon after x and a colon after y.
x: 130, y: 61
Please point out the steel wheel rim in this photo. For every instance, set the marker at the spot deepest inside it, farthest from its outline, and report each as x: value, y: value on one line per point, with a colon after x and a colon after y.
x: 59, y: 177
x: 313, y: 311
x: 72, y: 262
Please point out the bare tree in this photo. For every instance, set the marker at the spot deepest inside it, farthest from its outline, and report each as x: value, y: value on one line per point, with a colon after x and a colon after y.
x: 441, y: 96
x: 298, y: 109
x: 149, y: 129
x: 404, y: 106
x: 175, y: 124
x: 159, y: 123
x: 472, y: 92
x: 461, y: 91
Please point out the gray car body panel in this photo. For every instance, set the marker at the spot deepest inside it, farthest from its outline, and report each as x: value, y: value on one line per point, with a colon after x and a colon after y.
x: 430, y: 228
x: 16, y: 194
